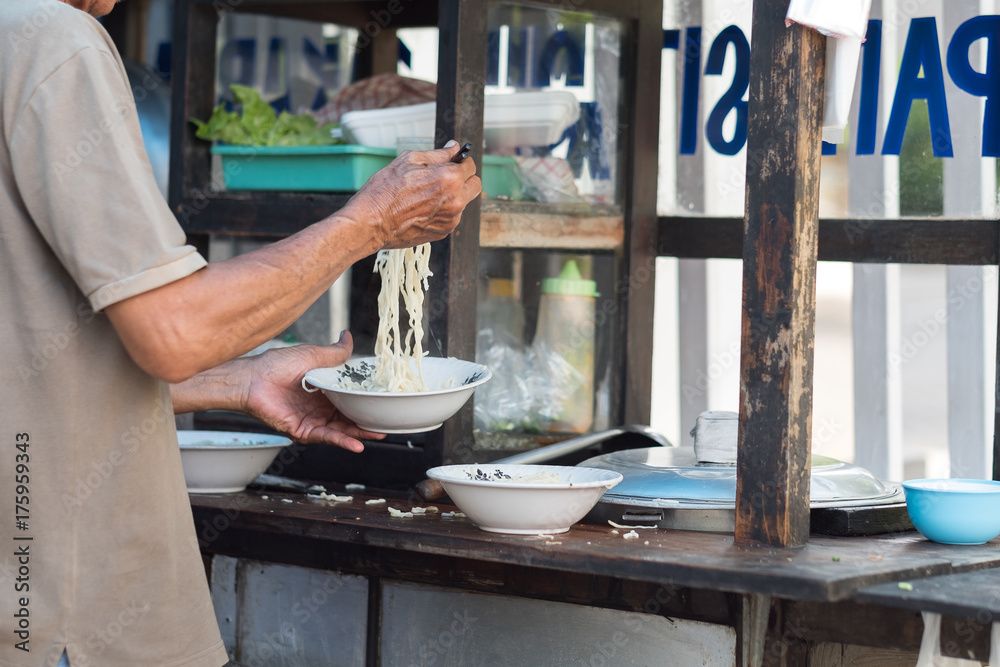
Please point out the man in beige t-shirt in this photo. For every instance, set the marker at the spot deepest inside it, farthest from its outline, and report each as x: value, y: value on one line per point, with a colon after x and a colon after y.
x: 109, y: 323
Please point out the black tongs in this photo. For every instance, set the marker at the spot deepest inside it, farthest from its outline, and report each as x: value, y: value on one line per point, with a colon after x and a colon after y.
x: 462, y: 154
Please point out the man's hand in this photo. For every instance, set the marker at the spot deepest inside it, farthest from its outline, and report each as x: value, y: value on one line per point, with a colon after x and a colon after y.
x: 268, y: 387
x: 417, y: 198
x: 227, y: 308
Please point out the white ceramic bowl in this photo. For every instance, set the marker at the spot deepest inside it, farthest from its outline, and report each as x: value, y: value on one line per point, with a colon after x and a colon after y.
x: 223, y: 461
x: 532, y: 499
x: 402, y: 412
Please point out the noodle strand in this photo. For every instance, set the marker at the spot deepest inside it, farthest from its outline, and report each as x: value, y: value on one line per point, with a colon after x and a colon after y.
x: 404, y: 272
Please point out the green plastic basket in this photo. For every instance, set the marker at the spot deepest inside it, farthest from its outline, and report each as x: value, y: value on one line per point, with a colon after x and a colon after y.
x: 342, y: 168
x: 502, y: 178
x: 302, y: 168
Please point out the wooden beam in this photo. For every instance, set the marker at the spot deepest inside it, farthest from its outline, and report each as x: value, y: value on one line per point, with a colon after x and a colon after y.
x: 641, y: 70
x: 551, y: 231
x: 455, y: 259
x: 996, y: 404
x: 779, y: 279
x: 385, y: 52
x: 877, y: 241
x: 194, y: 91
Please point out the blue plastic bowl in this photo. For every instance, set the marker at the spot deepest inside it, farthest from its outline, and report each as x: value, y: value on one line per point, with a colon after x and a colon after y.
x: 954, y: 511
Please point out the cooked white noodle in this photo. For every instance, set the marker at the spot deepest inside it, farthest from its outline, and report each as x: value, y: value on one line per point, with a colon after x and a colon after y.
x: 398, y: 365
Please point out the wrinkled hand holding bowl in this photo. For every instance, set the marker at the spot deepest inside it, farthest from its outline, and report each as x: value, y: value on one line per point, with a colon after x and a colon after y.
x: 225, y: 462
x: 954, y: 511
x: 452, y: 382
x: 524, y: 499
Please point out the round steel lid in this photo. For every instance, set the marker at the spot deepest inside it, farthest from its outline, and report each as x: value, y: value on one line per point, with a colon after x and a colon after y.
x: 672, y: 477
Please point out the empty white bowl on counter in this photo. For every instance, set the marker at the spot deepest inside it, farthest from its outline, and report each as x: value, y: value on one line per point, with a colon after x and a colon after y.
x: 524, y: 499
x: 226, y: 461
x: 451, y: 382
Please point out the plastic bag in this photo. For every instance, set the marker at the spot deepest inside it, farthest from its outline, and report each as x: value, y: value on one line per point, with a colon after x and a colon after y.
x: 834, y: 18
x: 528, y: 388
x: 502, y: 402
x: 842, y: 57
x: 548, y: 179
x: 845, y: 23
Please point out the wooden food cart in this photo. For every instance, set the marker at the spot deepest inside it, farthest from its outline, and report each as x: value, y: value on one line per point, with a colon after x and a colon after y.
x: 301, y: 581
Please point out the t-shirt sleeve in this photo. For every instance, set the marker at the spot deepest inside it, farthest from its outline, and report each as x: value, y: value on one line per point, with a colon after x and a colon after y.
x: 83, y: 174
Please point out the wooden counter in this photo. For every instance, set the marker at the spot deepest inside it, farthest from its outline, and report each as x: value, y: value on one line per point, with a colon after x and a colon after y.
x: 974, y: 594
x: 835, y: 589
x: 827, y: 569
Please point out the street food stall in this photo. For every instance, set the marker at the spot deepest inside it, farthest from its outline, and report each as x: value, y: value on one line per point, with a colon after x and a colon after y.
x: 301, y: 576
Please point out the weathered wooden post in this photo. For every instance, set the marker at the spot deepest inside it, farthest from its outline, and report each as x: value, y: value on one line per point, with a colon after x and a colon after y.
x: 779, y: 279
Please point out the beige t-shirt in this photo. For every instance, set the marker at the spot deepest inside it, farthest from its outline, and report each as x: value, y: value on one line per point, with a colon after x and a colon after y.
x: 98, y: 553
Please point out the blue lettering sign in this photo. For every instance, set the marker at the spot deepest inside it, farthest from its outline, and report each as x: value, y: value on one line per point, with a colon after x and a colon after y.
x: 920, y: 53
x: 986, y: 84
x: 871, y: 60
x: 731, y: 100
x: 689, y: 97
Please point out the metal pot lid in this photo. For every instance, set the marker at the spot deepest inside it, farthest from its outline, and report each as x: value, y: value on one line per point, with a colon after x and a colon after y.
x: 672, y: 477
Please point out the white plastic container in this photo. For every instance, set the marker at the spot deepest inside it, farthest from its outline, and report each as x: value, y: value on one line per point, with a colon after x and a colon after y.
x: 537, y: 118
x: 382, y: 127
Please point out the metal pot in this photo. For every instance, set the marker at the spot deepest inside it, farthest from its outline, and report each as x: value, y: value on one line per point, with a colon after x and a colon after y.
x: 670, y: 488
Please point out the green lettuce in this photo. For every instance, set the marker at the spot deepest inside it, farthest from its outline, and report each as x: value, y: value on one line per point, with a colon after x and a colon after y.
x: 258, y: 125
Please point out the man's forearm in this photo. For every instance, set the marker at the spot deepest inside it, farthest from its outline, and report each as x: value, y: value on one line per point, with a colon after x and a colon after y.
x: 230, y: 307
x: 221, y: 388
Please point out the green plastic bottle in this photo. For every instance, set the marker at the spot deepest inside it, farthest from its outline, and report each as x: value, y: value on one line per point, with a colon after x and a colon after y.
x: 566, y: 327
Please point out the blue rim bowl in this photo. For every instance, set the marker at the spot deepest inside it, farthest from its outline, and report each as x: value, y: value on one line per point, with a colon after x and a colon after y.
x: 954, y: 511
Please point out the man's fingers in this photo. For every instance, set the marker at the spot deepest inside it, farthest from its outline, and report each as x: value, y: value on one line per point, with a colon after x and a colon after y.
x: 323, y: 356
x: 471, y: 189
x: 344, y: 441
x: 445, y: 154
x: 370, y: 435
